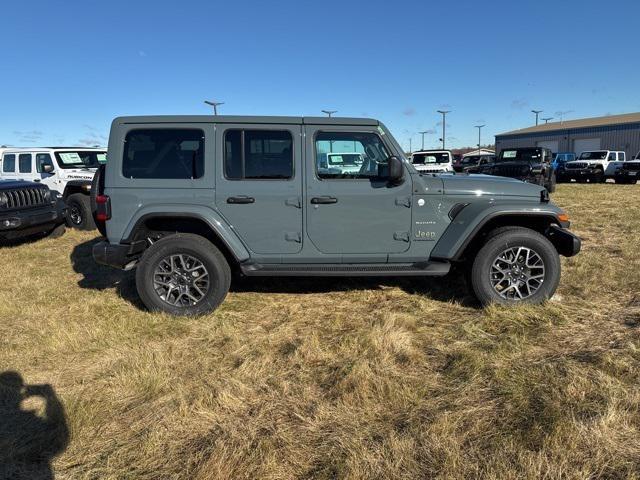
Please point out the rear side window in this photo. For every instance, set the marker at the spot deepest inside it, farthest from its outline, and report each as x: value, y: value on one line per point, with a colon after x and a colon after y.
x: 164, y: 154
x: 24, y: 163
x: 9, y: 163
x: 258, y: 155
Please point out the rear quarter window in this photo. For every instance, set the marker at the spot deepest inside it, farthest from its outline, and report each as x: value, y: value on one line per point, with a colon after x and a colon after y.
x: 164, y: 154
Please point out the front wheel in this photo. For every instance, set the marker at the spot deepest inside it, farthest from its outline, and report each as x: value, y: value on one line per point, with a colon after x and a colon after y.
x: 79, y: 212
x: 518, y: 265
x: 183, y: 274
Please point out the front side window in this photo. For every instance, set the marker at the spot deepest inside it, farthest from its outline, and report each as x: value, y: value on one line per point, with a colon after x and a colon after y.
x: 258, y: 155
x: 24, y: 163
x: 365, y: 154
x: 613, y: 156
x: 41, y: 160
x: 164, y: 154
x: 9, y: 163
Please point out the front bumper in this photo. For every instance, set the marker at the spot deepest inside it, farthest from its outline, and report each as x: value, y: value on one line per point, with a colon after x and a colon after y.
x: 567, y: 243
x: 577, y: 173
x: 122, y: 256
x: 22, y: 223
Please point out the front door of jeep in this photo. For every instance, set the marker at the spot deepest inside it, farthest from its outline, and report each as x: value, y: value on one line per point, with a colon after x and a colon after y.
x: 351, y: 206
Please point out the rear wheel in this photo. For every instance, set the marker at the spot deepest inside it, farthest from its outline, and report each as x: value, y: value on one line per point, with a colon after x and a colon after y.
x: 517, y: 265
x: 183, y: 274
x: 79, y: 212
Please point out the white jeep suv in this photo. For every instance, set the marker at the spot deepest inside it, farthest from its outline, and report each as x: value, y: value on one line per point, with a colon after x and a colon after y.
x: 67, y: 171
x: 432, y: 161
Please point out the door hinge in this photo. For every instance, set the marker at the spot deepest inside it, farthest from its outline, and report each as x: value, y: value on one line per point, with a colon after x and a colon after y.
x: 401, y: 236
x: 403, y: 201
x: 293, y: 237
x: 293, y: 202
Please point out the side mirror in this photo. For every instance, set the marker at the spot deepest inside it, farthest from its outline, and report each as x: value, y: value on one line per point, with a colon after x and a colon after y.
x: 47, y: 168
x: 396, y: 170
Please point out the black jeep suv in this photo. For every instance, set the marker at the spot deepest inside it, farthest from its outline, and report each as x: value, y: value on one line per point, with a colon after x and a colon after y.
x: 29, y: 208
x: 532, y: 165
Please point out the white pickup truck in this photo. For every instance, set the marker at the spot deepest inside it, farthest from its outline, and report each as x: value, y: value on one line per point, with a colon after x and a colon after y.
x: 432, y: 161
x: 595, y: 166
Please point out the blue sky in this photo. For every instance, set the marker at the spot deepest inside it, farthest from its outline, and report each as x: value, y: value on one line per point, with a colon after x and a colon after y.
x: 70, y: 67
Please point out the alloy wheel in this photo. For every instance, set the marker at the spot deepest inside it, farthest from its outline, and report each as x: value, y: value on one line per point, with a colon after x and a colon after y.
x: 181, y: 280
x: 517, y: 273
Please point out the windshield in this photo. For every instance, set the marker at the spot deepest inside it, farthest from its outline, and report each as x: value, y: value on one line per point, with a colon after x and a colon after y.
x: 345, y: 159
x: 520, y: 155
x: 81, y: 158
x: 593, y: 155
x: 424, y: 158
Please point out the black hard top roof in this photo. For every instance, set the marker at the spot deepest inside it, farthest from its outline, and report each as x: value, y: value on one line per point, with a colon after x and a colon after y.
x: 247, y: 119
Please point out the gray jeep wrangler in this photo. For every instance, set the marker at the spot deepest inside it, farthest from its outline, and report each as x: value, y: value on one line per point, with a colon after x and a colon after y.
x: 186, y: 199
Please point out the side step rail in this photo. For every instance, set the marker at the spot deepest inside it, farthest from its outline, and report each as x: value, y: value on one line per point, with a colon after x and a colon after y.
x: 425, y: 269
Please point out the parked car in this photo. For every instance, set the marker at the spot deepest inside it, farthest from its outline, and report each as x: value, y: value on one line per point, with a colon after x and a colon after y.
x: 595, y: 166
x: 629, y: 172
x: 29, y: 208
x: 432, y: 161
x: 531, y: 165
x: 558, y: 165
x: 254, y: 203
x: 348, y: 162
x: 470, y: 161
x: 66, y: 170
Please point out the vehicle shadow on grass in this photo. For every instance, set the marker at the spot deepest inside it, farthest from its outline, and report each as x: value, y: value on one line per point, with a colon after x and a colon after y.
x: 451, y: 287
x: 100, y: 277
x: 28, y: 440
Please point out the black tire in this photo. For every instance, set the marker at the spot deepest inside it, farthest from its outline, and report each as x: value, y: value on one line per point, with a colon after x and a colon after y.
x: 97, y: 186
x: 57, y: 232
x: 196, y: 247
x: 514, y: 238
x: 79, y: 212
x: 598, y: 176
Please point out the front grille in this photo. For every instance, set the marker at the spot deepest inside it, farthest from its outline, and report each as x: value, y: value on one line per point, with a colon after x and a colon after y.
x: 509, y: 171
x: 576, y: 165
x: 631, y: 166
x: 24, y: 197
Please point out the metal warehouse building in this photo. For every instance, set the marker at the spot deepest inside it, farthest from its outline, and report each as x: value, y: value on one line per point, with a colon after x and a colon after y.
x: 614, y: 132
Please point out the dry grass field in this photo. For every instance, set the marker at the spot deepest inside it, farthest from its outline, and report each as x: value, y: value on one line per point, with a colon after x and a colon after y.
x: 327, y: 378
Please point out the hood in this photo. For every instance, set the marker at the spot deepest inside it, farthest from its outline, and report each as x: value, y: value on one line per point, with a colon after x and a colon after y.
x: 484, y: 185
x: 6, y: 184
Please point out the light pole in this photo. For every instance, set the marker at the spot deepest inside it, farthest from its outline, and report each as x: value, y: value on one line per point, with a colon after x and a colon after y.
x: 546, y: 119
x: 410, y: 149
x: 423, y: 133
x: 479, y: 127
x: 537, y: 112
x: 329, y: 112
x: 215, y: 105
x: 444, y: 124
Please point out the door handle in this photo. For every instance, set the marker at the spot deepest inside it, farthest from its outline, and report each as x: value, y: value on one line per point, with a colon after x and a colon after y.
x: 241, y: 200
x: 36, y: 179
x: 323, y: 200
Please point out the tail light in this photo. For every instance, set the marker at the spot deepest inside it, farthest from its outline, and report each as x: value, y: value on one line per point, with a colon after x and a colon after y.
x: 103, y: 208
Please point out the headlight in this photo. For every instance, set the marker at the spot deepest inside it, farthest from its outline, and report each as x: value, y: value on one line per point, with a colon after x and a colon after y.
x: 47, y: 195
x: 4, y: 200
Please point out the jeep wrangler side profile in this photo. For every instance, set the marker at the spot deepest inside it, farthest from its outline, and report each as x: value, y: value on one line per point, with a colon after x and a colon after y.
x: 186, y: 199
x: 67, y: 171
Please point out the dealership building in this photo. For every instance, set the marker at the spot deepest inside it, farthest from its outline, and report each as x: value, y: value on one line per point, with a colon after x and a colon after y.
x: 613, y: 132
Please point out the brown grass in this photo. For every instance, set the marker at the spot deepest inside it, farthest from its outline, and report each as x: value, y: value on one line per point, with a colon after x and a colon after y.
x: 339, y: 378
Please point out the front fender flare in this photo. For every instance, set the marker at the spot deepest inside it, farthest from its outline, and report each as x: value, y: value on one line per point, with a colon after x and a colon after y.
x: 468, y: 223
